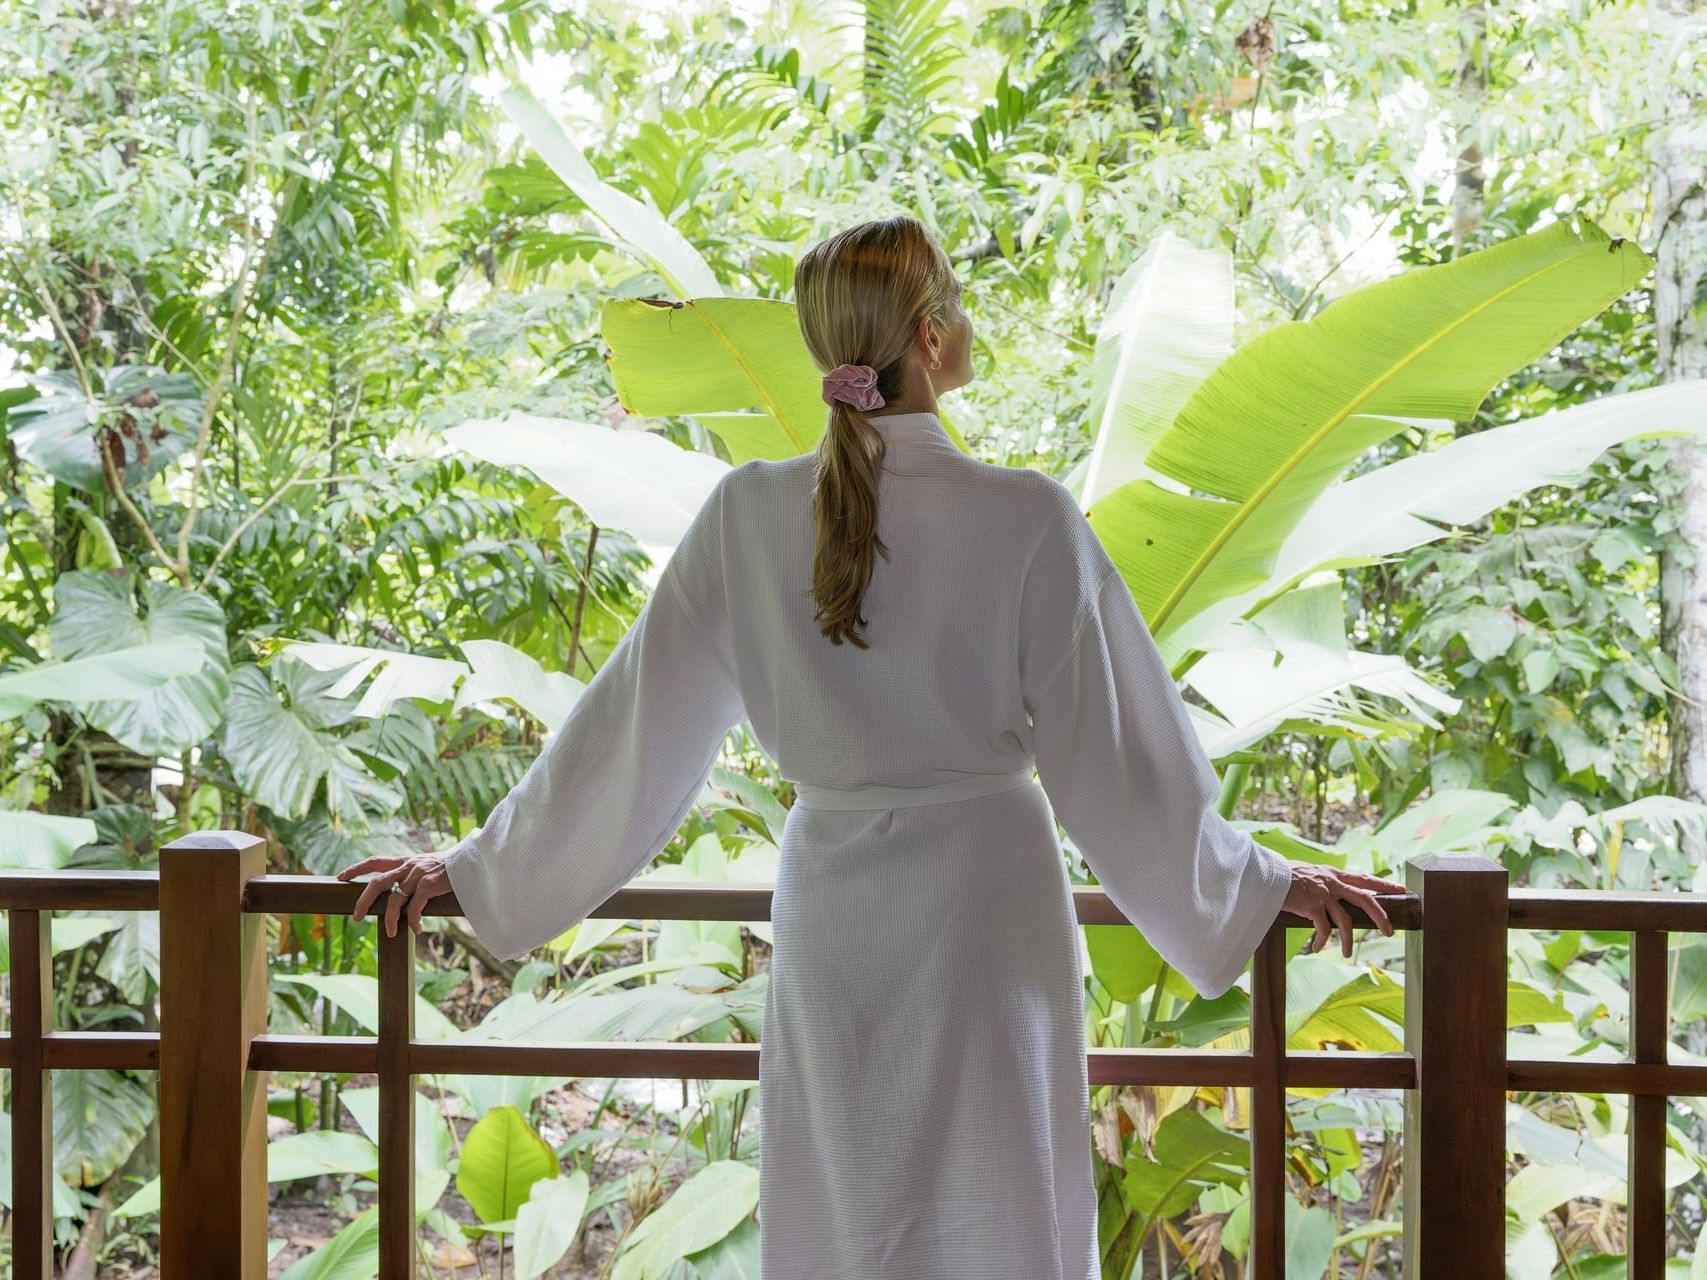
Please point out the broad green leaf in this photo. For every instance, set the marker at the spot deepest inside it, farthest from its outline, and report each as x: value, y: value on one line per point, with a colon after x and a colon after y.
x: 1271, y: 428
x: 698, y: 941
x: 1449, y: 820
x: 735, y: 1257
x: 56, y: 430
x: 98, y: 1118
x: 97, y: 613
x: 1122, y: 959
x: 547, y: 1223
x: 67, y: 933
x: 324, y: 849
x: 631, y: 223
x: 308, y: 1155
x: 636, y: 481
x: 1536, y: 1189
x: 1191, y: 1153
x: 353, y: 1254
x: 703, y: 1210
x: 1413, y: 501
x: 1488, y: 631
x: 400, y: 674
x: 1312, y: 681
x: 280, y: 746
x: 1168, y: 324
x: 66, y: 1202
x: 1309, y: 1240
x: 1347, y: 1027
x: 357, y: 994
x: 501, y: 671
x: 1526, y: 1003
x: 105, y: 677
x: 41, y: 841
x: 432, y: 1134
x: 1689, y: 987
x: 502, y: 1158
x: 738, y: 365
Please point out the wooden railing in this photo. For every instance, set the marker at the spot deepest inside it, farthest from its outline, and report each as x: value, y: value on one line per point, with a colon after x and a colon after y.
x: 213, y: 1052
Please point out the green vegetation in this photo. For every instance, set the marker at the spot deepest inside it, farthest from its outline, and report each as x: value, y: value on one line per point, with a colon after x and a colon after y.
x: 1364, y: 332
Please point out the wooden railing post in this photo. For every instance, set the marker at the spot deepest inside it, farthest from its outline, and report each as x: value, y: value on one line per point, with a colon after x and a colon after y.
x: 1455, y: 1030
x: 33, y: 1171
x: 1645, y: 1140
x: 213, y: 1109
x: 1266, y: 1259
x: 396, y: 1099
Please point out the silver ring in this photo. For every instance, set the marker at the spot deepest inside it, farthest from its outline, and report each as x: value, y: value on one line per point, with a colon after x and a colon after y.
x: 397, y: 887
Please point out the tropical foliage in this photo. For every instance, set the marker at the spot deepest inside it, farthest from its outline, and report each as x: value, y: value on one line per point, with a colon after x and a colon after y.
x: 360, y: 363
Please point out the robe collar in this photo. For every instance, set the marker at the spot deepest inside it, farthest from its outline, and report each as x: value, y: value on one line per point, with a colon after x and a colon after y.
x: 910, y: 429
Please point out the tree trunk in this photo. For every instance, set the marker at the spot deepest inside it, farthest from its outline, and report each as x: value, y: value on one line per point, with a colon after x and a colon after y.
x: 1680, y: 300
x: 1472, y: 88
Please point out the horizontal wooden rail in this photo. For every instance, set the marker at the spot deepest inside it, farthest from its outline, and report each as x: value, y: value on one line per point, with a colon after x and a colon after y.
x: 665, y: 1060
x: 1625, y: 910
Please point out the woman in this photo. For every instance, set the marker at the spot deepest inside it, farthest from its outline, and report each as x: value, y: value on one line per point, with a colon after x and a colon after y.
x: 923, y: 1094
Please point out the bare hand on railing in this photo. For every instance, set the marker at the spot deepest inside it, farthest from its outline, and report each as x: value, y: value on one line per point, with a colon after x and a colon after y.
x: 1316, y: 892
x: 421, y: 876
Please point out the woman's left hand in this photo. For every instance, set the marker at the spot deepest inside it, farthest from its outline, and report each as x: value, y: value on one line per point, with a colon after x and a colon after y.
x: 422, y: 876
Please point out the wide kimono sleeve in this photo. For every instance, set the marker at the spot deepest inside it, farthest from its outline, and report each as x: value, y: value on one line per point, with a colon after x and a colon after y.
x: 1124, y: 769
x: 615, y: 781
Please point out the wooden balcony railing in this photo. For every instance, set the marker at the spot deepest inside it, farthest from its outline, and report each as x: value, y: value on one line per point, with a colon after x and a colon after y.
x: 213, y: 1052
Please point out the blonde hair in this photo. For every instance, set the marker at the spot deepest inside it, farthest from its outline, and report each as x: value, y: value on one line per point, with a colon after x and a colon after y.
x: 859, y: 297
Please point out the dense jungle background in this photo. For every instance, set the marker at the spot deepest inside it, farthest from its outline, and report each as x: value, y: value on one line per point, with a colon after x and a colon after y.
x: 317, y: 321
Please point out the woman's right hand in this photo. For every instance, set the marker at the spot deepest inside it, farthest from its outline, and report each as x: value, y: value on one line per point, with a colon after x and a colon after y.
x: 1316, y: 894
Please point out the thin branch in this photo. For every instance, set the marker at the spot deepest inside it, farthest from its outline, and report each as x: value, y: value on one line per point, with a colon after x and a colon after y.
x: 41, y: 292
x: 115, y: 485
x: 1041, y: 328
x: 260, y: 511
x: 1381, y: 222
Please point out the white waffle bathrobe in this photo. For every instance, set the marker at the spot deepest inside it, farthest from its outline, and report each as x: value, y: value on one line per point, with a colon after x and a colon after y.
x: 923, y: 1095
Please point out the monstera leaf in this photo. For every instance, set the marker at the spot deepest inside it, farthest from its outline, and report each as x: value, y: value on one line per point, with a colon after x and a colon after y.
x: 494, y: 671
x: 106, y: 677
x: 279, y: 739
x: 107, y: 612
x: 154, y: 414
x: 41, y: 841
x: 324, y: 847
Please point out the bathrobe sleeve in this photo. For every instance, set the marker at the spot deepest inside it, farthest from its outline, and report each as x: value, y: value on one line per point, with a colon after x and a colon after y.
x: 618, y: 777
x: 1124, y: 769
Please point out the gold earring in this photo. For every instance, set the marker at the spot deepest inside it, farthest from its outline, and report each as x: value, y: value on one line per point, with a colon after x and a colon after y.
x: 937, y: 363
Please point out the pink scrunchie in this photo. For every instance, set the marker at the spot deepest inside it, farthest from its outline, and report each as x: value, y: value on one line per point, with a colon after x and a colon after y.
x: 854, y: 384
